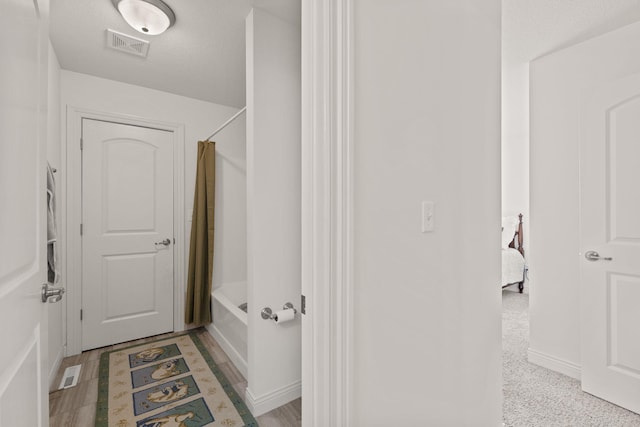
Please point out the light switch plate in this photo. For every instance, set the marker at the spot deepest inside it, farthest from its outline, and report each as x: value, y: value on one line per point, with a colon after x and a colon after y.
x: 428, y: 211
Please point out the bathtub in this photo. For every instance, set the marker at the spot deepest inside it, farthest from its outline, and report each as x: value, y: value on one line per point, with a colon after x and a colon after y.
x: 229, y: 327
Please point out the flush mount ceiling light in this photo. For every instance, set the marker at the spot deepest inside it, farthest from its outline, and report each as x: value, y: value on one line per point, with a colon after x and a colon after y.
x: 147, y: 16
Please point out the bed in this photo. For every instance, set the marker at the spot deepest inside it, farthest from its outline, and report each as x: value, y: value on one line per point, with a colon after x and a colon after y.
x: 513, y: 261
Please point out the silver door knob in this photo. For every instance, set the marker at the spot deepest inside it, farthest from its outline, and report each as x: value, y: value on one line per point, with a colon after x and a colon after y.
x: 595, y: 256
x: 49, y: 292
x: 165, y: 242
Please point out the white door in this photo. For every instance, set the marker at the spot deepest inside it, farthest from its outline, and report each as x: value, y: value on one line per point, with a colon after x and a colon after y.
x: 127, y: 232
x: 23, y: 101
x: 610, y: 237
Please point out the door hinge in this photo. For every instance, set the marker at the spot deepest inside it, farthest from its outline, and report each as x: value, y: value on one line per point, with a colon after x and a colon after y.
x: 303, y: 304
x: 174, y: 240
x: 80, y: 314
x: 81, y: 144
x: 81, y: 229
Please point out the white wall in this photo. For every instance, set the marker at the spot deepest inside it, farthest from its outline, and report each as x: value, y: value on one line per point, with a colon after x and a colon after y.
x: 57, y: 313
x: 427, y: 127
x: 200, y: 119
x: 558, y: 82
x: 515, y: 142
x: 274, y: 203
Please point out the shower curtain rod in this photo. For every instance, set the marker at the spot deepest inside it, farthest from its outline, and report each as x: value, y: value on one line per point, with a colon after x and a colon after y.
x: 235, y: 116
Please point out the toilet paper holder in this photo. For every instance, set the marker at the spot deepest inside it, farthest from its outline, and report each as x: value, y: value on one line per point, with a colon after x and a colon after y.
x: 267, y: 313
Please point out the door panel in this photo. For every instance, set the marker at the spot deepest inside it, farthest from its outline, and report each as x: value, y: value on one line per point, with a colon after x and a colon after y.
x: 624, y: 318
x: 623, y: 130
x: 129, y: 164
x: 22, y: 383
x: 131, y: 276
x: 23, y: 100
x: 610, y: 209
x: 127, y: 193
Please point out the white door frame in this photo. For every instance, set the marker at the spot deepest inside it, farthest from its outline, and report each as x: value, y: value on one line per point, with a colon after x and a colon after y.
x: 327, y: 212
x: 71, y: 177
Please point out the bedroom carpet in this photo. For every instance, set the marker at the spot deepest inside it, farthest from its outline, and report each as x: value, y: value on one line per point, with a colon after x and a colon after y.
x: 537, y: 397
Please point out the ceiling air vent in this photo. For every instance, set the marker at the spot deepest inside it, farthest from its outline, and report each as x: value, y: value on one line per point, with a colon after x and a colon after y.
x: 128, y: 44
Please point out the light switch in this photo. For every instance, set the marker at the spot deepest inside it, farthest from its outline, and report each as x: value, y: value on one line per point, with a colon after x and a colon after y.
x: 427, y: 216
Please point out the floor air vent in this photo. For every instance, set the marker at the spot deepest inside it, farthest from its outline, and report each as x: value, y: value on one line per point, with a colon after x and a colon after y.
x: 128, y: 44
x: 70, y: 377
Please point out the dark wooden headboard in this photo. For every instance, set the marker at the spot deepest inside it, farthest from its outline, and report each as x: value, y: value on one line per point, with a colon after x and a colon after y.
x: 518, y: 238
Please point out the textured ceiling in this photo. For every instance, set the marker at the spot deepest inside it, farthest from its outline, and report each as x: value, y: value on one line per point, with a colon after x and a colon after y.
x: 533, y: 28
x: 202, y: 56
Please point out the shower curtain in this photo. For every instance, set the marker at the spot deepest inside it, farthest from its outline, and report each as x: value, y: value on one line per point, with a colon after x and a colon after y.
x: 198, y: 303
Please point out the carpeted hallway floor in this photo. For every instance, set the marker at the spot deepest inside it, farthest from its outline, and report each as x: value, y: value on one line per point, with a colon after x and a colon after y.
x: 538, y: 397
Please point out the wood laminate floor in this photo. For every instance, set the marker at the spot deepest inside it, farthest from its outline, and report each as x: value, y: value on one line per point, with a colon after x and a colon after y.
x: 76, y: 406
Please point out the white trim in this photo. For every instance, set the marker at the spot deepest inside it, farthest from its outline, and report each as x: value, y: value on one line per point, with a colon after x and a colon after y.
x: 554, y: 363
x: 72, y: 199
x: 229, y: 349
x: 327, y: 207
x: 54, y: 366
x: 272, y: 400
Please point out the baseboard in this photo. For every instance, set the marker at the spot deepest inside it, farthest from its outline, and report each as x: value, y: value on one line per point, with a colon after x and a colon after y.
x: 554, y: 363
x: 230, y: 351
x: 54, y: 367
x: 270, y: 401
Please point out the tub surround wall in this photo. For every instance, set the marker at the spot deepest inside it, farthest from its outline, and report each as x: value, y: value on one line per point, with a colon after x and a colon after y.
x: 230, y: 246
x: 229, y: 327
x: 273, y: 202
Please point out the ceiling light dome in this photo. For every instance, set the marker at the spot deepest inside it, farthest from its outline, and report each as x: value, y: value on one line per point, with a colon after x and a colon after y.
x: 146, y: 16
